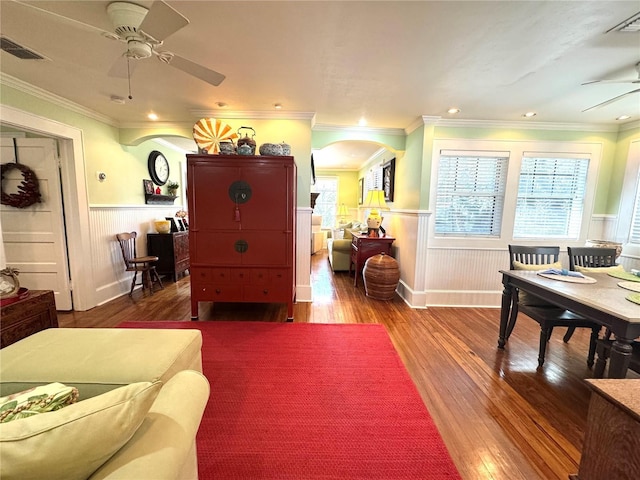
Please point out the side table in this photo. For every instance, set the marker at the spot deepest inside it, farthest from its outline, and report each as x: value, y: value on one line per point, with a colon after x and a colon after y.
x: 172, y: 250
x: 363, y: 247
x: 612, y: 439
x: 27, y: 316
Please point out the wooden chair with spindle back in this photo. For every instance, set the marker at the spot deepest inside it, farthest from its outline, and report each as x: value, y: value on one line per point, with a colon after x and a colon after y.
x: 601, y: 258
x: 547, y: 315
x: 136, y: 264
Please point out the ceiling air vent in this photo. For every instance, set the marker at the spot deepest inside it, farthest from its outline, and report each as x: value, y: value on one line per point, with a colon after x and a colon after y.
x: 631, y: 24
x: 19, y: 51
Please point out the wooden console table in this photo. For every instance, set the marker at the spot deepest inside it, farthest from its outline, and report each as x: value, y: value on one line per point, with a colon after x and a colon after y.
x: 172, y: 250
x: 363, y: 247
x: 28, y: 316
x: 612, y: 439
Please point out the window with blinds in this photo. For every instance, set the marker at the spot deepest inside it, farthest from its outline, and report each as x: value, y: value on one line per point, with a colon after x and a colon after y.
x: 470, y: 195
x: 634, y: 234
x: 551, y: 195
x: 327, y: 201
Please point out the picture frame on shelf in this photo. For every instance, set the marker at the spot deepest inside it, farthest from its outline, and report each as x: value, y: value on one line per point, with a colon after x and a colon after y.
x: 148, y: 187
x: 361, y: 190
x: 388, y: 179
x: 180, y: 224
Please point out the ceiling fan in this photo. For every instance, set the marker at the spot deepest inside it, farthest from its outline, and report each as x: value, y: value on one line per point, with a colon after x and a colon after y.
x: 635, y: 81
x: 144, y: 31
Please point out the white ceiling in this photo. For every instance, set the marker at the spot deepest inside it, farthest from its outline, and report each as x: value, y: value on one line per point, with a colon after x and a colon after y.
x: 388, y: 61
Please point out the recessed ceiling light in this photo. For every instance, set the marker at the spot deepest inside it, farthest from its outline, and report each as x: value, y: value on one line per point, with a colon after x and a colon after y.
x: 277, y: 106
x: 221, y: 104
x: 152, y: 116
x: 453, y: 110
x: 623, y: 117
x: 117, y: 99
x: 529, y: 114
x: 362, y: 122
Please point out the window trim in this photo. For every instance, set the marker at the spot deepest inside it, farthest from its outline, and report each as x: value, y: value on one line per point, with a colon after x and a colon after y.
x: 517, y: 150
x: 627, y: 198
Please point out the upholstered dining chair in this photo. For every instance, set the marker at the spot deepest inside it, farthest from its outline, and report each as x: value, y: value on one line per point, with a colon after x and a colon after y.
x: 135, y: 264
x: 547, y: 315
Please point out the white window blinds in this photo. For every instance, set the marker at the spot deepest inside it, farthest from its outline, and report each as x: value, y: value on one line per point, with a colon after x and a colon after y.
x: 634, y: 234
x: 551, y: 194
x: 470, y: 195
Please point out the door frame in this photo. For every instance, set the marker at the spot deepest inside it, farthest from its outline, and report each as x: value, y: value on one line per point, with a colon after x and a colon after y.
x: 76, y: 202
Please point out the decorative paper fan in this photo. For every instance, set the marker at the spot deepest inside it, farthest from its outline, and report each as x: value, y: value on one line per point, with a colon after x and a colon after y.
x: 209, y: 132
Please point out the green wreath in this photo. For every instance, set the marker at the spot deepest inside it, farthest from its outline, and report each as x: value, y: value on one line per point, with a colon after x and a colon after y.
x: 28, y: 190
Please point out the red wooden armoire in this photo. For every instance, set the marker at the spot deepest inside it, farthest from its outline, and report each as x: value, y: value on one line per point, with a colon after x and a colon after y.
x: 242, y: 224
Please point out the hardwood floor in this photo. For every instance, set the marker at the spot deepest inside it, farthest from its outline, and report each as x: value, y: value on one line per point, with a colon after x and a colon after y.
x: 499, y: 417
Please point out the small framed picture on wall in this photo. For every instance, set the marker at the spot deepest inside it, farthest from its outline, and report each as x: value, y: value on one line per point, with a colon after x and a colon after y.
x: 388, y: 179
x: 361, y: 191
x: 148, y: 187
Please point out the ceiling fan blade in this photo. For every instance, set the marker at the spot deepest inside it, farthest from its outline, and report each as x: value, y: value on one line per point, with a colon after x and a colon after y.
x: 162, y: 21
x: 611, y: 100
x: 198, y: 71
x: 66, y: 20
x: 636, y: 80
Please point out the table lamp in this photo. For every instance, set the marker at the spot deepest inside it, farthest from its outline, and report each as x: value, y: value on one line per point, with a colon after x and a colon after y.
x: 375, y: 202
x: 343, y: 213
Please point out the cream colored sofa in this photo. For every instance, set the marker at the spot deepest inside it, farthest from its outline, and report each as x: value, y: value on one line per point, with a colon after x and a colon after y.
x: 142, y: 396
x: 339, y: 245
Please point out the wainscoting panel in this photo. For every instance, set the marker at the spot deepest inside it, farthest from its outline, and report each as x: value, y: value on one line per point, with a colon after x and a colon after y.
x: 111, y: 280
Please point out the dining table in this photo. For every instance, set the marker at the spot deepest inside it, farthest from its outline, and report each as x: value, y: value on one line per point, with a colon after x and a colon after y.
x: 604, y: 301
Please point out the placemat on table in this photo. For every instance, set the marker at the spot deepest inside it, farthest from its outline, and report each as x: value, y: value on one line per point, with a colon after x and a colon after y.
x: 634, y: 297
x: 624, y: 276
x: 567, y: 278
x: 633, y: 286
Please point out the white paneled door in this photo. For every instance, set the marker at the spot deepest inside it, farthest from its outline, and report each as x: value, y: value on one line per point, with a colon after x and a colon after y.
x: 34, y: 237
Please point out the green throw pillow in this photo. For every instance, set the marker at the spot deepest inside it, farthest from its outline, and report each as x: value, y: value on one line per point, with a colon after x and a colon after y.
x: 615, y: 268
x: 45, y: 398
x: 527, y: 299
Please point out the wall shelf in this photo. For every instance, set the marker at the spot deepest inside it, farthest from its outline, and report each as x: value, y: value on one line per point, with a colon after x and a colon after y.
x: 155, y: 199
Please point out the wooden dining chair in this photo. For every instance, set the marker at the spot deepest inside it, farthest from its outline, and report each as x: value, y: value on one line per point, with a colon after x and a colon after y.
x: 594, y: 258
x: 547, y: 315
x: 591, y: 257
x: 135, y: 264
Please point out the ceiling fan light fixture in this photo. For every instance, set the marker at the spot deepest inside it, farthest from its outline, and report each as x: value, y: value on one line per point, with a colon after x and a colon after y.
x: 137, y: 49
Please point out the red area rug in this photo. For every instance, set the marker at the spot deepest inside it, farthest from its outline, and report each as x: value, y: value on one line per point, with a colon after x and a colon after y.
x: 309, y: 401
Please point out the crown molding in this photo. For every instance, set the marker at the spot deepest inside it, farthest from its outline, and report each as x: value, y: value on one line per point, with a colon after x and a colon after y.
x: 630, y: 125
x: 323, y: 127
x: 12, y: 82
x: 529, y: 125
x: 254, y: 115
x: 158, y: 125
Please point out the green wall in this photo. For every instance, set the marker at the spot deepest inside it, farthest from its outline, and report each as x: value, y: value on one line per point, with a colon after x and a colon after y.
x: 348, y: 190
x: 126, y: 163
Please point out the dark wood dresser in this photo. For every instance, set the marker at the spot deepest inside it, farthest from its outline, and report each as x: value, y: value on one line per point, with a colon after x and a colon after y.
x: 172, y: 250
x: 242, y: 224
x: 364, y: 247
x: 27, y: 316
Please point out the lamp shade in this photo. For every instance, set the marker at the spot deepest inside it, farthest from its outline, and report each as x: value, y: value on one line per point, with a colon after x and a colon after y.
x: 343, y: 211
x: 375, y: 200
